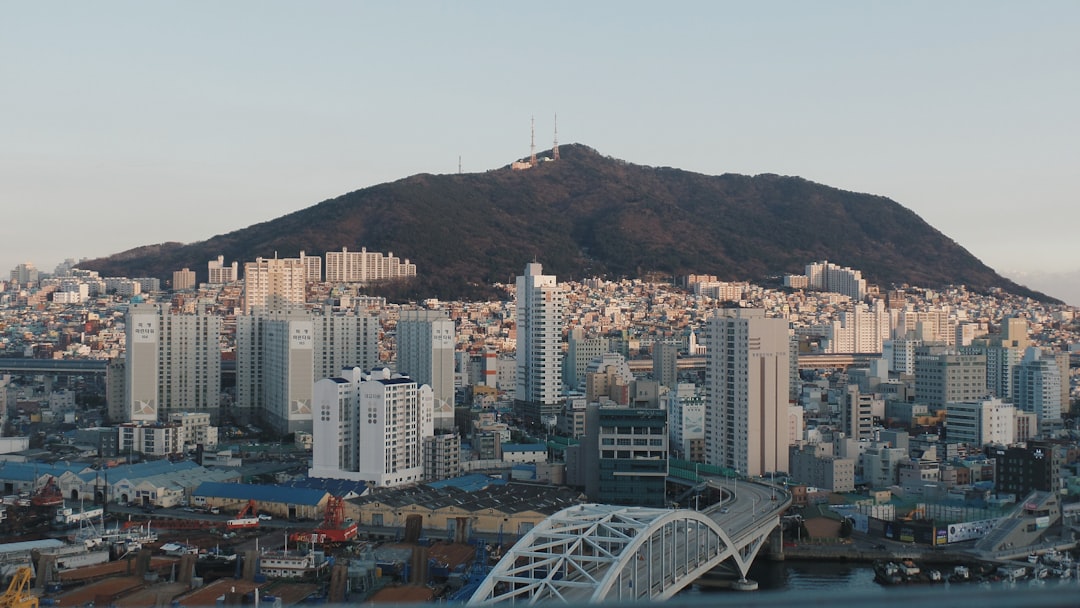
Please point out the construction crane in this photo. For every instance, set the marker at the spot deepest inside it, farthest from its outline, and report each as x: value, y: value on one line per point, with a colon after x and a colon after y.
x: 16, y: 595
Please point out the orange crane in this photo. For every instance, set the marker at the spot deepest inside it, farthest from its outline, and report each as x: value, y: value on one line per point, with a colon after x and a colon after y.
x: 16, y: 595
x: 246, y: 518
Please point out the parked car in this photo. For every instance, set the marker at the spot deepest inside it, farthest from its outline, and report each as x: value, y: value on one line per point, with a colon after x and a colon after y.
x: 265, y: 517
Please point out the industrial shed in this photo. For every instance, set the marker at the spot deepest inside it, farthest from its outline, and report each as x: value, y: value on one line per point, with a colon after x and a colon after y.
x: 278, y: 501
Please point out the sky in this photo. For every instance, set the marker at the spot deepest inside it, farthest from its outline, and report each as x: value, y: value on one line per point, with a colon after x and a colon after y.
x: 133, y: 123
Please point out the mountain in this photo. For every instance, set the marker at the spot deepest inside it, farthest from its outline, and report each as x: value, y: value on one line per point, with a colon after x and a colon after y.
x: 591, y: 215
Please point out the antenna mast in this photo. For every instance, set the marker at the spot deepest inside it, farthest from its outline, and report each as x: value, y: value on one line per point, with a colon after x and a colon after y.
x: 532, y: 140
x: 555, y: 148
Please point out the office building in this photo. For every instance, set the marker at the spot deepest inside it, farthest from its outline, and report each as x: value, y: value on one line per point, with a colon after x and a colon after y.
x: 747, y: 376
x: 539, y: 312
x: 426, y: 342
x: 626, y: 455
x: 981, y: 422
x: 943, y: 377
x: 686, y: 422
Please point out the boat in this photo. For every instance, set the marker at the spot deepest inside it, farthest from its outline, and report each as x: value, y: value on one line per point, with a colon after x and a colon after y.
x: 69, y: 517
x: 888, y: 573
x: 960, y: 574
x: 48, y: 495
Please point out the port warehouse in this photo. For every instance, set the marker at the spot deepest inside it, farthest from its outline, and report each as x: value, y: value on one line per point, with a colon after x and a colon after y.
x: 159, y: 483
x: 476, y: 502
x: 460, y: 507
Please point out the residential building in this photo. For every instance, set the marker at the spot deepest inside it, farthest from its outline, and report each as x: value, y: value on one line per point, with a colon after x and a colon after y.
x: 442, y: 456
x: 173, y: 363
x: 280, y: 353
x: 274, y: 283
x: 580, y: 352
x: 747, y: 376
x: 539, y: 313
x: 364, y: 267
x: 666, y: 363
x: 183, y: 279
x: 371, y: 428
x: 426, y: 342
x: 220, y: 274
x: 1037, y: 387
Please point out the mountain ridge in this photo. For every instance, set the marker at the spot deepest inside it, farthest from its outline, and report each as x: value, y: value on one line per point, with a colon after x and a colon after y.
x: 592, y: 215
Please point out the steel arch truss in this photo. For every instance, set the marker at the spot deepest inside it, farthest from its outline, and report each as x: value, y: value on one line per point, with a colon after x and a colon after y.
x: 592, y: 553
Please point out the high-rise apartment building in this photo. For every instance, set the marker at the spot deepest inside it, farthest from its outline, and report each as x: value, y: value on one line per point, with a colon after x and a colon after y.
x: 371, y: 428
x: 539, y: 312
x: 274, y: 283
x: 580, y: 352
x: 1037, y: 382
x: 173, y: 363
x: 363, y: 266
x: 183, y: 279
x: 747, y: 373
x: 281, y: 353
x: 426, y: 342
x: 825, y: 276
x: 219, y: 274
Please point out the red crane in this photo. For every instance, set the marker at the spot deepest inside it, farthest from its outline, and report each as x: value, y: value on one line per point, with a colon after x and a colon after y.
x: 246, y: 518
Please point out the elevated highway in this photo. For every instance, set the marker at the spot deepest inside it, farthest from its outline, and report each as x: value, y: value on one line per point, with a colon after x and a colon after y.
x: 594, y: 553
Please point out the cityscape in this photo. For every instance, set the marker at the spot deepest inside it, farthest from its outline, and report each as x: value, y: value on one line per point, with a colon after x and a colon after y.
x: 713, y: 303
x: 275, y: 427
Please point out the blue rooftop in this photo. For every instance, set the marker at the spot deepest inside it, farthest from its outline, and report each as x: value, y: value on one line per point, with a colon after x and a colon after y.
x: 30, y: 471
x: 261, y: 493
x: 335, y: 487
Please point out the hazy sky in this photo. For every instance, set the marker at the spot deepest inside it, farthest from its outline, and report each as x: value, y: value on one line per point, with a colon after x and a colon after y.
x: 131, y: 123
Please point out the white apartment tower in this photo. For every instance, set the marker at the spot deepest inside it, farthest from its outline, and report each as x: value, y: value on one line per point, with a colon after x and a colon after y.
x: 425, y: 351
x: 173, y: 363
x: 747, y: 376
x: 371, y: 428
x: 539, y: 308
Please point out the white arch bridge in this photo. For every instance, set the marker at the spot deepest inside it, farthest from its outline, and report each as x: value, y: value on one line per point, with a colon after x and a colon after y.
x: 594, y: 553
